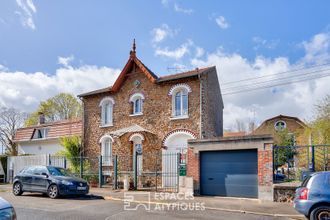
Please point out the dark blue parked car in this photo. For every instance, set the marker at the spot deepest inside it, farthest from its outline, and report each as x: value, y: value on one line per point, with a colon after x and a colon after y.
x: 53, y: 181
x: 313, y: 197
x: 7, y: 211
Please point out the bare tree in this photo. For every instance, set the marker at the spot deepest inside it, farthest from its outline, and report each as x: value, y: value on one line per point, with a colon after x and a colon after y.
x: 10, y: 120
x: 240, y: 125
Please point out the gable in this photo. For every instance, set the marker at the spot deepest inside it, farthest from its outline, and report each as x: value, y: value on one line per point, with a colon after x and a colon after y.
x: 133, y: 65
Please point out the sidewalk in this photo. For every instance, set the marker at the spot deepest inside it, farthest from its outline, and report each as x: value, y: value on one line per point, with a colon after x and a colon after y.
x: 251, y: 206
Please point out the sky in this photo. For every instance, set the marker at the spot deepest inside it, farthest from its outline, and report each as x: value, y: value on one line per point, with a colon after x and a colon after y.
x: 47, y: 47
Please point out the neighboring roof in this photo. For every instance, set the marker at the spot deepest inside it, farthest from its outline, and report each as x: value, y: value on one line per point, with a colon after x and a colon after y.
x: 131, y: 129
x: 56, y: 130
x: 234, y: 134
x: 149, y: 74
x: 107, y: 89
x: 281, y: 117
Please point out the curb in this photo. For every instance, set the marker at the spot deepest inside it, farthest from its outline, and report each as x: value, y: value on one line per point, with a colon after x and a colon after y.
x: 212, y: 208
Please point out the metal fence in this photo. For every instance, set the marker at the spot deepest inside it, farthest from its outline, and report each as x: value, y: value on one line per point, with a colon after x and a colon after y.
x: 293, y: 163
x: 158, y: 171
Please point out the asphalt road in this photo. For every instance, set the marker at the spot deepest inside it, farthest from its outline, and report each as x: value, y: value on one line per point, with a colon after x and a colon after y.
x: 38, y: 207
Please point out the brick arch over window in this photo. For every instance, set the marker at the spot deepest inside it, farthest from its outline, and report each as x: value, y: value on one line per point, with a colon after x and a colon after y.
x: 177, y: 131
x: 107, y: 99
x: 179, y: 86
x: 136, y: 135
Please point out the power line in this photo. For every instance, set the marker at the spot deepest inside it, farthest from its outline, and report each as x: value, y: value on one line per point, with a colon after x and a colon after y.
x: 279, y: 84
x: 274, y: 80
x: 280, y: 73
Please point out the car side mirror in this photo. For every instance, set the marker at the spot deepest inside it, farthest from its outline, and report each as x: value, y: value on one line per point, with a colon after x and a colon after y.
x: 44, y: 174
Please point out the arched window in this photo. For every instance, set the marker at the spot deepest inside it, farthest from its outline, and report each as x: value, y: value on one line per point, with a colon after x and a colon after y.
x: 179, y: 95
x: 107, y: 111
x: 181, y: 103
x: 137, y: 101
x: 106, y: 150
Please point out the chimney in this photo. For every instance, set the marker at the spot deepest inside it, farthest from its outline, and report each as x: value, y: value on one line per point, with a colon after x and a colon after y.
x: 41, y: 118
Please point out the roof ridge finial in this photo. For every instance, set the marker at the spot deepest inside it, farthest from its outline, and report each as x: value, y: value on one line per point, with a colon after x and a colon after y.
x: 133, y: 51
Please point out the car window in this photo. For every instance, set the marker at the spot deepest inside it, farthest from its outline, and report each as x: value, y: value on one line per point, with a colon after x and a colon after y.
x: 317, y: 182
x: 56, y: 171
x: 306, y: 180
x: 327, y: 180
x: 39, y: 170
x: 29, y: 170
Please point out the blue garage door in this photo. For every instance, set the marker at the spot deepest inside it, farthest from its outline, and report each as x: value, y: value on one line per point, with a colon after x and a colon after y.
x: 229, y: 173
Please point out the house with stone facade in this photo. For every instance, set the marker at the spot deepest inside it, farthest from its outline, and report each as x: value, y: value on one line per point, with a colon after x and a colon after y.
x: 146, y: 114
x: 292, y: 125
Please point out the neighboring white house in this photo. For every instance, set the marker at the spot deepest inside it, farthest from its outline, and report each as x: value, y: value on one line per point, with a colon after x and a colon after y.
x: 44, y: 138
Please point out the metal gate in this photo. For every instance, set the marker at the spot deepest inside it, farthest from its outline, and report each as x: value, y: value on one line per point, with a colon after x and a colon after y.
x: 146, y: 172
x: 296, y: 162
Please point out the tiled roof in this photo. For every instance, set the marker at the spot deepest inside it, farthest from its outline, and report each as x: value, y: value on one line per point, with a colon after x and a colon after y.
x: 234, y: 134
x: 56, y: 130
x: 161, y: 79
x: 190, y: 73
x: 107, y: 89
x: 279, y: 117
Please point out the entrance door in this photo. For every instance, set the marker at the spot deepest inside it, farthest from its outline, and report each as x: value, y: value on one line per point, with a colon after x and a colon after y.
x: 174, y: 143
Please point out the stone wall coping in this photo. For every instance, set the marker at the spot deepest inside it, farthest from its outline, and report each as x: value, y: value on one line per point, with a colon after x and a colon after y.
x: 263, y: 137
x: 292, y: 185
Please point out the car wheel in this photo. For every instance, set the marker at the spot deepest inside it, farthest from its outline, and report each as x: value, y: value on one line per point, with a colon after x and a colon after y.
x: 53, y: 191
x: 320, y: 213
x: 17, y: 189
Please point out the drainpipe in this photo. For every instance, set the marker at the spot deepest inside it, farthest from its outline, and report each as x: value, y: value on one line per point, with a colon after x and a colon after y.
x: 82, y: 153
x: 200, y: 105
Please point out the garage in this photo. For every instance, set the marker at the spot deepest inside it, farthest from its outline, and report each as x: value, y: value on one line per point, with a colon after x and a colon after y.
x: 232, y: 173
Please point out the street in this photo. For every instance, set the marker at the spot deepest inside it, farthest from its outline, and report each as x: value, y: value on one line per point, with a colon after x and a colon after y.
x: 39, y: 207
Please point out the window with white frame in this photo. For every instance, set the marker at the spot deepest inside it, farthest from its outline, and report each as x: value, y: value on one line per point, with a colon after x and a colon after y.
x: 40, y: 133
x: 137, y: 102
x: 179, y: 95
x: 106, y: 150
x: 107, y: 111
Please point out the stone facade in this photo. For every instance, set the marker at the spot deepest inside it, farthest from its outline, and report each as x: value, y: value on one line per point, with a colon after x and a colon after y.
x: 204, y: 113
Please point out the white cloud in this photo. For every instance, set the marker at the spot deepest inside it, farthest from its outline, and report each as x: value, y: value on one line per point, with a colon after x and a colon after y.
x: 161, y: 33
x: 165, y: 2
x: 221, y: 22
x: 27, y: 10
x: 177, y: 8
x: 199, y: 52
x: 318, y: 48
x: 297, y: 99
x: 177, y: 53
x: 65, y: 61
x: 263, y: 43
x: 25, y: 90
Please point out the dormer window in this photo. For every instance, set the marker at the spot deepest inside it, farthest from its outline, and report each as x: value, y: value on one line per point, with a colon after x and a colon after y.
x: 40, y: 133
x: 179, y: 95
x: 137, y: 103
x: 107, y: 111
